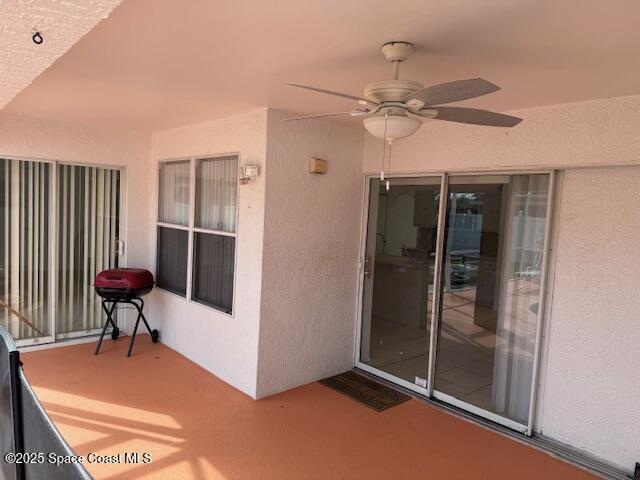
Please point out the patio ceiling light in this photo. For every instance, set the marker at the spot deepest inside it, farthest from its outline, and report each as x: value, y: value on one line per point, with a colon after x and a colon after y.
x: 392, y: 127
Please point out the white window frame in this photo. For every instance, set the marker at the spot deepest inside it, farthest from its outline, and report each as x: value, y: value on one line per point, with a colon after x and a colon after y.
x: 191, y: 229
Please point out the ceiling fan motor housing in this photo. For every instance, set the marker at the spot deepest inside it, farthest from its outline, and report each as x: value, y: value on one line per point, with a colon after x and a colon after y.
x: 390, y: 90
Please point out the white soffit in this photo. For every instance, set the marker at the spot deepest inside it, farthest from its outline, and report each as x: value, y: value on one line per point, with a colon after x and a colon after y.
x: 61, y: 23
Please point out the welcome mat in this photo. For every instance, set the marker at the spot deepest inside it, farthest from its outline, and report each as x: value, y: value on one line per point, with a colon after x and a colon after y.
x: 364, y: 390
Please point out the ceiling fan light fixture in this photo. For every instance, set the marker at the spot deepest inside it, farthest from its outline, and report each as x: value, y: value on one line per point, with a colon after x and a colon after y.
x: 397, y: 126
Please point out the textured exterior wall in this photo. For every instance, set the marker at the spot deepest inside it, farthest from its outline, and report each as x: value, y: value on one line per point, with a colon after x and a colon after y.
x: 296, y: 282
x: 311, y: 238
x: 61, y: 22
x: 592, y: 393
x: 591, y: 368
x: 226, y: 346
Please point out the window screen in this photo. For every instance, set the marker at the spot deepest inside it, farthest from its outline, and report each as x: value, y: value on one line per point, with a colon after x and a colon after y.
x: 216, y: 180
x: 213, y: 263
x: 173, y: 198
x: 172, y: 260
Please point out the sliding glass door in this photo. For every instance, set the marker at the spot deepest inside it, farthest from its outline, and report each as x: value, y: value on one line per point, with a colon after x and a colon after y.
x: 398, y: 279
x: 59, y: 226
x: 492, y: 267
x: 452, y: 305
x: 88, y: 219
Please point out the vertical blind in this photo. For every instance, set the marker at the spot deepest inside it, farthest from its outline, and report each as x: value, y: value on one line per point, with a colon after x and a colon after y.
x: 86, y: 222
x: 173, y: 198
x: 88, y: 231
x: 24, y: 248
x: 216, y: 183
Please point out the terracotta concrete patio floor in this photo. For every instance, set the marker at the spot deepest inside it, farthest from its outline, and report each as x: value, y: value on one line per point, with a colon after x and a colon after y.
x: 198, y: 427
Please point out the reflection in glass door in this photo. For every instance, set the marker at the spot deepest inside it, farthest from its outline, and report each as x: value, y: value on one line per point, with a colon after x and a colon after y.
x: 489, y: 281
x: 492, y: 268
x: 398, y: 283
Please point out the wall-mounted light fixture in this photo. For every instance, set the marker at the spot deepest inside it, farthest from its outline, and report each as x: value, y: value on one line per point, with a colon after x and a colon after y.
x: 248, y: 173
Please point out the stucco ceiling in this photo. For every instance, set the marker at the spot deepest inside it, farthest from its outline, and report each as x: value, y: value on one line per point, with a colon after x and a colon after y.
x: 60, y: 24
x: 154, y: 65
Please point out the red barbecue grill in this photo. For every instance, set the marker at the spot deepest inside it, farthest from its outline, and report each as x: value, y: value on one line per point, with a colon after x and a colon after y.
x: 124, y: 285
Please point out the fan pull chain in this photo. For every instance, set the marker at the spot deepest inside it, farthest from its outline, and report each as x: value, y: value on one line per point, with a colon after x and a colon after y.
x: 384, y: 146
x: 387, y: 184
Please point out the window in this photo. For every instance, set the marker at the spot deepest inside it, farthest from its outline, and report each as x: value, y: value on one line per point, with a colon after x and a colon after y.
x: 196, y: 238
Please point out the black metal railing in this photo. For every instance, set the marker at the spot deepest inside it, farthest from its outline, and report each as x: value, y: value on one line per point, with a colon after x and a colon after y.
x: 31, y: 446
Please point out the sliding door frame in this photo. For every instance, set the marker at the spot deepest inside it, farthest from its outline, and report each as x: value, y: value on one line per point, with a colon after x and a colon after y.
x: 437, y: 283
x: 53, y: 244
x: 121, y: 258
x: 430, y: 390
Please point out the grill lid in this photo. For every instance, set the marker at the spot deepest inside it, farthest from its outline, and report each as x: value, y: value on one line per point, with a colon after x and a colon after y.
x: 124, y: 278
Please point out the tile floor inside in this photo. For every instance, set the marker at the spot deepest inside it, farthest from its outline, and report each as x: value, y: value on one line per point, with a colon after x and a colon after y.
x: 465, y: 358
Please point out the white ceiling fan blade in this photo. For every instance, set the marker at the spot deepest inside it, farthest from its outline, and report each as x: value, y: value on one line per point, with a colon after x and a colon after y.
x: 337, y: 94
x: 453, y: 91
x: 472, y: 116
x: 306, y: 117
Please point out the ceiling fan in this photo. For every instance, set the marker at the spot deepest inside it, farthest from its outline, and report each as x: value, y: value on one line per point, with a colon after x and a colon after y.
x: 392, y: 108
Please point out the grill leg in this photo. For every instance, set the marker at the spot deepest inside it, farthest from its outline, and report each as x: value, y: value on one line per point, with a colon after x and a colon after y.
x: 143, y: 317
x: 135, y: 329
x: 109, y: 320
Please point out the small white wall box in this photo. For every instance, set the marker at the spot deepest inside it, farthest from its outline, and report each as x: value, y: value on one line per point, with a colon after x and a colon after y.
x: 318, y: 166
x: 248, y: 173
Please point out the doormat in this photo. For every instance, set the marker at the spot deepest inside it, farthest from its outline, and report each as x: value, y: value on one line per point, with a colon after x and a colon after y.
x: 364, y: 390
